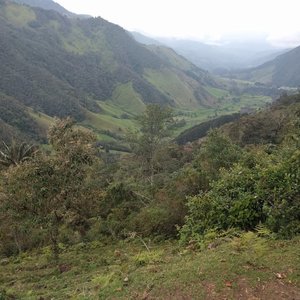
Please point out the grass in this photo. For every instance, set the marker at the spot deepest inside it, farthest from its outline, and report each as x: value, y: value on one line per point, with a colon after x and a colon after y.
x: 170, y: 84
x: 217, y: 93
x: 43, y: 120
x: 126, y: 98
x: 128, y: 271
x: 76, y: 41
x: 227, y: 106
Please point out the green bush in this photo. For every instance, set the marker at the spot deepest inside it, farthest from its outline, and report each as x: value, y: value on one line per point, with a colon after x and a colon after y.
x: 267, y: 193
x: 280, y: 188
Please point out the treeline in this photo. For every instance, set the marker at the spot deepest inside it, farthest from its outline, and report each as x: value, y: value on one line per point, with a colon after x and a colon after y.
x: 199, y: 131
x: 77, y: 193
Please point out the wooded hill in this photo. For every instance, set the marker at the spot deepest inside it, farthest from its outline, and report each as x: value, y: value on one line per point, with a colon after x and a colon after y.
x: 283, y: 71
x: 64, y: 66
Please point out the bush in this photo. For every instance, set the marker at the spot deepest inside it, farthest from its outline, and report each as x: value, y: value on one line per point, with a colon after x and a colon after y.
x: 280, y: 188
x: 243, y: 197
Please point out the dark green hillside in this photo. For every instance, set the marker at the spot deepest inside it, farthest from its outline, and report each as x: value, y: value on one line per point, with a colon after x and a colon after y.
x: 282, y: 71
x: 269, y: 126
x: 201, y: 130
x: 90, y: 69
x: 14, y: 115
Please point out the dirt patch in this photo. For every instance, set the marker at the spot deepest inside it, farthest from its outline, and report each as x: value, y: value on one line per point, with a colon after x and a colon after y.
x: 277, y: 290
x: 240, y: 290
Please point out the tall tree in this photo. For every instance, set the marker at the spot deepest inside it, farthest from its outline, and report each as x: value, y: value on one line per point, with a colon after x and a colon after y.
x: 154, y: 129
x: 53, y: 190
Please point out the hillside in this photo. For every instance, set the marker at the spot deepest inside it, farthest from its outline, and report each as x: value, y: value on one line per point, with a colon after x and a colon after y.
x: 267, y: 126
x: 61, y: 66
x: 219, y: 221
x: 128, y: 271
x: 284, y: 70
x: 48, y: 5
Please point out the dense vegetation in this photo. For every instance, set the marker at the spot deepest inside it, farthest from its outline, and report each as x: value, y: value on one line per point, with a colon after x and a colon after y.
x: 102, y: 194
x: 76, y: 194
x: 201, y: 130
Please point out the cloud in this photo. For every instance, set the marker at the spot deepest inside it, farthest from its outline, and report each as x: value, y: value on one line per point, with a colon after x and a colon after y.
x: 208, y: 20
x: 285, y: 40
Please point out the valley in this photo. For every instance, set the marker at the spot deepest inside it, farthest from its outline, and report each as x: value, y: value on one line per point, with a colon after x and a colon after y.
x: 101, y: 85
x: 160, y: 166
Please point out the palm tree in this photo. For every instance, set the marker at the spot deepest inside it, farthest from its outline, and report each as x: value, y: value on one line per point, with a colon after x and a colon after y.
x: 16, y: 153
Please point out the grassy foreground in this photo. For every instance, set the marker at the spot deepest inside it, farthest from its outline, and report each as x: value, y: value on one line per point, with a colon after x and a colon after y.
x: 247, y: 267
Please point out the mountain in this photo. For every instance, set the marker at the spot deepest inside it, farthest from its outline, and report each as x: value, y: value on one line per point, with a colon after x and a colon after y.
x: 236, y: 54
x: 50, y: 5
x: 284, y: 70
x: 90, y: 69
x: 143, y: 39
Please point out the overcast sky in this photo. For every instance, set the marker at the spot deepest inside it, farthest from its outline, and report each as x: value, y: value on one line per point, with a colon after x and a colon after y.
x: 209, y: 20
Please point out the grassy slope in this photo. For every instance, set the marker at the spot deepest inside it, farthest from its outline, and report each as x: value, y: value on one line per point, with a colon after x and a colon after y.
x: 126, y: 98
x: 169, y: 83
x: 19, y: 16
x: 242, y: 268
x: 225, y: 107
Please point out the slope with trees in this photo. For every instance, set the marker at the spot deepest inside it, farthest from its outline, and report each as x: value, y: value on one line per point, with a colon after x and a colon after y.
x: 64, y: 66
x: 240, y: 201
x: 283, y: 71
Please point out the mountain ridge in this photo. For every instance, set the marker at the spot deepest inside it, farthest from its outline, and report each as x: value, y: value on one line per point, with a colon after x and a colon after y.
x: 283, y: 71
x: 51, y: 5
x: 63, y: 66
x: 217, y: 57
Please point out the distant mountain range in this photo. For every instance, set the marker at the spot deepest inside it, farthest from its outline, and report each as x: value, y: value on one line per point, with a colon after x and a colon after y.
x: 256, y: 62
x: 217, y: 58
x: 57, y: 66
x: 283, y: 71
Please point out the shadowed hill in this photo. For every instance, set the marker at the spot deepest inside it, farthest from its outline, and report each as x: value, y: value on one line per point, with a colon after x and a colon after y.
x: 282, y: 71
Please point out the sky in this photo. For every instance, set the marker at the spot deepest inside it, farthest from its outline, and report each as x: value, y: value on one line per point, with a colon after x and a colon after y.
x: 206, y: 20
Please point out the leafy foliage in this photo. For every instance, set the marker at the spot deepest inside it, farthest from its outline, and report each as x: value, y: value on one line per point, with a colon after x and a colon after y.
x: 210, y: 191
x: 153, y: 131
x: 48, y: 191
x: 264, y: 189
x: 16, y: 153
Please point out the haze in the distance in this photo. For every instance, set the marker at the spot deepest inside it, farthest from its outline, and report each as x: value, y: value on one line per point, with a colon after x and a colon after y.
x: 205, y: 20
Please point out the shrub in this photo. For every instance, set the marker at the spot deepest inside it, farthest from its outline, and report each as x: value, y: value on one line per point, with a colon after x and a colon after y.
x: 245, y: 196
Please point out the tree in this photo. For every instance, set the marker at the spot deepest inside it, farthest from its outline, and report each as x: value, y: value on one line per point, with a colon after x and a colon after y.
x: 154, y: 129
x: 217, y: 152
x: 52, y: 190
